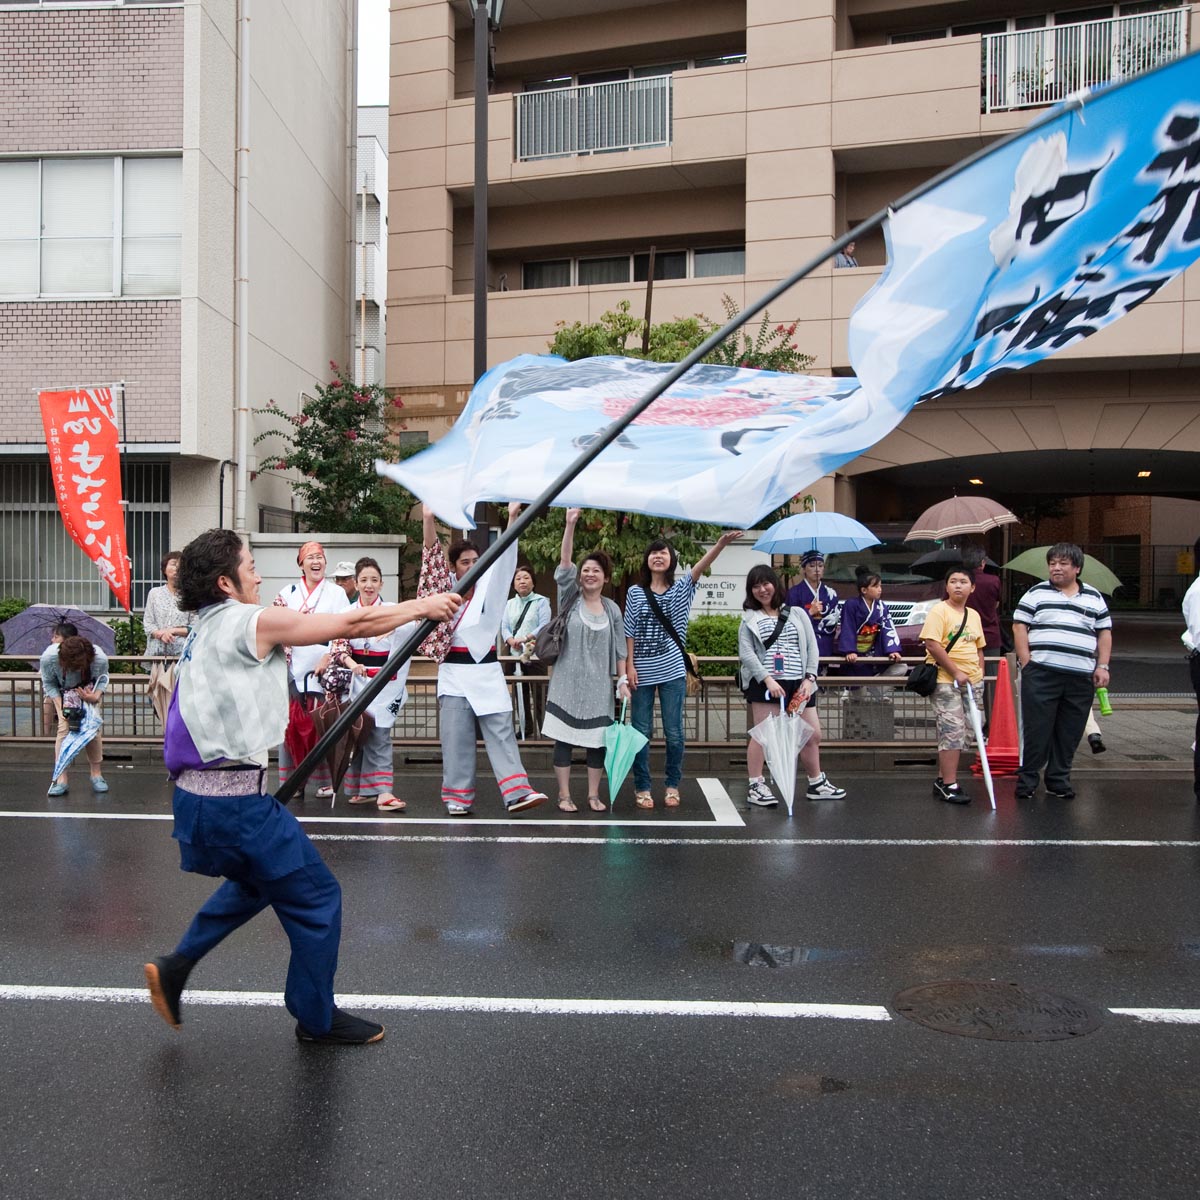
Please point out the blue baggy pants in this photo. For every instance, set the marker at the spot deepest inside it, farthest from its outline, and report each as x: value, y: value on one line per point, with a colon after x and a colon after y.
x: 266, y: 859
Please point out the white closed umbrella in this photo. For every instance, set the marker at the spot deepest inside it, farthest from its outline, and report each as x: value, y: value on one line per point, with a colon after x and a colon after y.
x: 782, y: 737
x: 977, y: 725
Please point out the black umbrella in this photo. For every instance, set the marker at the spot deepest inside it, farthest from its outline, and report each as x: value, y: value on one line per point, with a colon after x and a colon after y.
x: 29, y: 632
x: 936, y: 563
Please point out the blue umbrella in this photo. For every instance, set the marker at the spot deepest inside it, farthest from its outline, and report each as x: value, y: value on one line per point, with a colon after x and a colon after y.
x: 75, y: 741
x: 829, y: 532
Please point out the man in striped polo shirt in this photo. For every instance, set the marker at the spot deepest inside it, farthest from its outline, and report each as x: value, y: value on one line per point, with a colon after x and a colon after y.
x: 1063, y: 636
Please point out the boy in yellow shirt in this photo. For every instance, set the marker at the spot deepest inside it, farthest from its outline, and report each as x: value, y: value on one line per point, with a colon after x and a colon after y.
x: 953, y: 637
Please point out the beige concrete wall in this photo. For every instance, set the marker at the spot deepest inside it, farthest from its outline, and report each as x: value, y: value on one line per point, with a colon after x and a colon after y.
x: 1044, y: 409
x: 300, y: 231
x: 819, y: 128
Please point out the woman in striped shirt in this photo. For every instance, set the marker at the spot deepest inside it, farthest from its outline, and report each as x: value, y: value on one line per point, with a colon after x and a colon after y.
x: 655, y: 656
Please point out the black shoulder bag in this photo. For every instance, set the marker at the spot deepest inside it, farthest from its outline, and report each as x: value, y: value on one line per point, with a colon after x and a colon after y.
x: 691, y: 665
x: 922, y: 679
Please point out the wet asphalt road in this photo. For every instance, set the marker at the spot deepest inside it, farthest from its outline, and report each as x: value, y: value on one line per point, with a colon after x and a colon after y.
x: 103, y: 1100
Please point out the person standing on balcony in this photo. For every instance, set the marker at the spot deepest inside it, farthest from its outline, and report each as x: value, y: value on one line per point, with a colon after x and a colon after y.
x: 845, y: 257
x: 657, y: 609
x: 312, y: 595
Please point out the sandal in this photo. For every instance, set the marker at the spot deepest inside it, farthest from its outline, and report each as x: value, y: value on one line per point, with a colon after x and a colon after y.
x: 643, y: 799
x: 596, y: 804
x: 671, y: 799
x: 361, y: 799
x: 390, y: 803
x: 566, y: 804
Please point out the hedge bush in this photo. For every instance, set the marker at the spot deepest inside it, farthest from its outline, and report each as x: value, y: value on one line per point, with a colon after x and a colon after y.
x: 9, y: 607
x: 713, y: 635
x: 130, y: 638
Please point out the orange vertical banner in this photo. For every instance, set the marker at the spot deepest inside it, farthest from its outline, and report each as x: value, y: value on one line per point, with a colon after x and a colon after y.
x: 85, y: 465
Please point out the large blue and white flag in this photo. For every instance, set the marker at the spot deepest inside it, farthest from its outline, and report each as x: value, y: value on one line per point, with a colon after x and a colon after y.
x: 722, y: 444
x: 1037, y: 246
x: 1030, y: 249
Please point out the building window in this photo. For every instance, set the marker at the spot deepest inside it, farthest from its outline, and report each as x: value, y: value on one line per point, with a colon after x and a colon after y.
x: 412, y: 438
x: 90, y: 227
x: 700, y: 263
x: 671, y: 265
x: 603, y: 270
x: 554, y: 273
x: 722, y: 260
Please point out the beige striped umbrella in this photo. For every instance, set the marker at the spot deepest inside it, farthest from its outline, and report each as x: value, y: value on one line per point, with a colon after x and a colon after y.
x: 959, y: 514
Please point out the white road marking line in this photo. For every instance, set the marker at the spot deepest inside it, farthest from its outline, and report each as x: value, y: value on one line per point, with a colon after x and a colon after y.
x: 473, y: 1004
x: 721, y: 804
x: 517, y: 822
x: 1166, y: 1016
x: 534, y: 1005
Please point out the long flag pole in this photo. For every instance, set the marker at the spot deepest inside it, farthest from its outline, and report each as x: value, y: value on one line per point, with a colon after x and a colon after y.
x: 402, y: 654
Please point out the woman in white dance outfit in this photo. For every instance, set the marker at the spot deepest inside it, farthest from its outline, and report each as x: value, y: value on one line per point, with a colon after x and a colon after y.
x: 370, y: 776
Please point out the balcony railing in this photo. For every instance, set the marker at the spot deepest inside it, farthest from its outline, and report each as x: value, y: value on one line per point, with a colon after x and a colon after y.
x: 1043, y: 66
x: 597, y: 118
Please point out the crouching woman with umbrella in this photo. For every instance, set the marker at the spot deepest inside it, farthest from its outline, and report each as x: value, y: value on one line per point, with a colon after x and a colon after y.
x: 75, y: 677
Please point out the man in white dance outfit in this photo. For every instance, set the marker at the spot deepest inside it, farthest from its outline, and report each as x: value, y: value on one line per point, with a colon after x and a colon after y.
x: 471, y: 683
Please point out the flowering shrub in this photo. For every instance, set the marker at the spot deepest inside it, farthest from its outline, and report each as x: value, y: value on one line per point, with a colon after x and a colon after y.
x: 332, y: 443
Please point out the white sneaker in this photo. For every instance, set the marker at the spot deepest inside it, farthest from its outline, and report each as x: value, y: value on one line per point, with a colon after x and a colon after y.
x: 824, y: 789
x: 757, y: 792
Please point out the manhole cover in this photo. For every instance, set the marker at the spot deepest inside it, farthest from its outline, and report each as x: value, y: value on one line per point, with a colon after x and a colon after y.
x: 998, y: 1012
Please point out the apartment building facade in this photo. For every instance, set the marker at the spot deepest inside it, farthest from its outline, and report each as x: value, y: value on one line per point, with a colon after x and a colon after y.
x: 119, y: 181
x: 370, y: 254
x: 737, y: 138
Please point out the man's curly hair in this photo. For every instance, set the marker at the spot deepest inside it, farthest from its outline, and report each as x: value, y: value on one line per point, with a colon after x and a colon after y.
x: 203, y: 561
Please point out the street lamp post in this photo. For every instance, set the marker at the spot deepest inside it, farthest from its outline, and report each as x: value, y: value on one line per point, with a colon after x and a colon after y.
x: 487, y: 18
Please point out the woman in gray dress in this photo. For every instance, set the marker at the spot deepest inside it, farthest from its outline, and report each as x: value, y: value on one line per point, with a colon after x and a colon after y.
x: 579, y: 702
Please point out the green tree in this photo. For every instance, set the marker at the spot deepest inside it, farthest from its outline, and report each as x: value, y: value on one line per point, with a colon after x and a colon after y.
x: 771, y: 348
x: 622, y: 536
x: 333, y: 442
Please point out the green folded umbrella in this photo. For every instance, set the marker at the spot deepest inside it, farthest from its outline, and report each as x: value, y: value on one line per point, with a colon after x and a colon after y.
x: 621, y: 742
x: 1033, y: 562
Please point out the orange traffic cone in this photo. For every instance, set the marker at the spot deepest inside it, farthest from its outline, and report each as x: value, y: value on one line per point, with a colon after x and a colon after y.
x: 1003, y: 745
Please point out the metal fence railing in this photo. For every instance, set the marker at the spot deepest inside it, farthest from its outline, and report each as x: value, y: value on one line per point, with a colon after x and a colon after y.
x: 594, y: 118
x: 1034, y: 67
x: 856, y: 711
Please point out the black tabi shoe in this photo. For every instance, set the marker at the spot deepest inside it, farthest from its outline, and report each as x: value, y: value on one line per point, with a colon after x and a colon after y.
x: 346, y: 1030
x: 166, y: 978
x: 1097, y: 743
